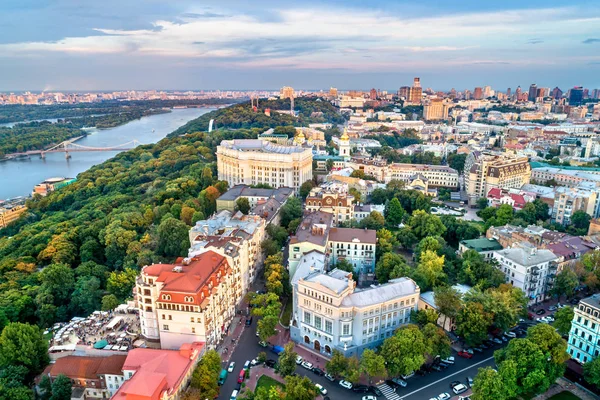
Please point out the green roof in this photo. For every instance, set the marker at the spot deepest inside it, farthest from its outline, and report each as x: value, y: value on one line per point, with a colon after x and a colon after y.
x: 537, y: 164
x: 482, y: 244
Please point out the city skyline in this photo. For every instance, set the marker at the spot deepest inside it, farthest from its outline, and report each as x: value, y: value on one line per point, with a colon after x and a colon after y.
x: 233, y: 45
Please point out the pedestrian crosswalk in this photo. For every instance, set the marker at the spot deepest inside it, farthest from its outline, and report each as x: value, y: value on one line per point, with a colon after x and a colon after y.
x: 388, y: 392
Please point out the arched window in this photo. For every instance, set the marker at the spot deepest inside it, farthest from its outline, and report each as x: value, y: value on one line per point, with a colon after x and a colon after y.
x: 166, y: 297
x: 189, y: 299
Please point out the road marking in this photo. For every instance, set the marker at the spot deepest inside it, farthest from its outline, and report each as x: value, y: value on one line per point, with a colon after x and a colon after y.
x: 388, y: 392
x: 446, y: 377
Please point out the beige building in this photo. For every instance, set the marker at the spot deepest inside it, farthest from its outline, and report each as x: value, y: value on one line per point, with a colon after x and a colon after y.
x: 191, y: 301
x: 567, y: 201
x: 485, y: 171
x: 253, y: 162
x: 341, y: 205
x: 436, y: 110
x: 9, y: 213
x: 436, y: 175
x: 286, y: 92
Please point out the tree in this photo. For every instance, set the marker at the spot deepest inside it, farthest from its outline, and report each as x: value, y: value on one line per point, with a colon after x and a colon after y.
x: 86, y: 296
x: 352, y: 372
x: 591, y: 371
x: 550, y: 343
x: 482, y: 203
x: 337, y: 364
x: 565, y: 283
x: 581, y: 221
x: 291, y: 210
x: 430, y: 270
x: 448, y: 301
x: 305, y: 189
x: 425, y: 316
x: 457, y: 161
x: 242, y: 205
x: 394, y: 213
x: 404, y: 351
x: 205, y: 376
x: 436, y: 340
x: 562, y: 320
x: 386, y: 264
x: 287, y: 360
x: 372, y: 364
x: 472, y: 323
x: 406, y: 237
x: 173, y: 238
x: 329, y: 164
x: 110, y: 302
x: 374, y: 221
x: 23, y: 344
x: 488, y: 385
x: 424, y: 224
x: 262, y: 357
x: 61, y: 388
x: 300, y: 388
x: 542, y: 210
x: 354, y: 192
x: 58, y: 280
x: 386, y: 241
x: 121, y: 283
x: 432, y: 243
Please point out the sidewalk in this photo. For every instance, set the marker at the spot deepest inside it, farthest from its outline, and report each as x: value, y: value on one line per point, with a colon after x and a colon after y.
x: 257, y: 372
x: 563, y: 384
x: 230, y: 342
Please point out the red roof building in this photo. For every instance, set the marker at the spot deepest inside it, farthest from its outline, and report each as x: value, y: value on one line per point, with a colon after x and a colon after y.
x: 497, y: 197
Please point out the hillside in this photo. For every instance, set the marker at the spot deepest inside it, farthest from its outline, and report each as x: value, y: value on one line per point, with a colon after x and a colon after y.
x: 243, y: 116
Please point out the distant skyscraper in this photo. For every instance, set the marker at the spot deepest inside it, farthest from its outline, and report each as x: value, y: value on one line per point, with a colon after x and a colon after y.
x: 518, y: 93
x: 508, y: 93
x: 373, y: 94
x: 478, y: 93
x: 417, y: 82
x: 557, y: 93
x: 404, y: 91
x: 286, y: 92
x: 532, y: 92
x: 416, y: 91
x: 575, y: 96
x: 333, y: 92
x: 467, y: 94
x: 487, y: 92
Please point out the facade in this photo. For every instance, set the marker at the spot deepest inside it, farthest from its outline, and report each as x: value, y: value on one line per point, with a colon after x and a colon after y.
x: 51, y: 184
x: 484, y: 172
x: 567, y: 201
x: 341, y: 205
x: 344, y: 145
x: 9, y: 213
x: 94, y: 377
x: 357, y: 246
x: 437, y: 175
x: 331, y: 313
x: 529, y: 269
x: 312, y: 234
x: 483, y: 246
x: 363, y: 211
x: 152, y: 374
x: 253, y: 162
x: 497, y: 197
x: 427, y: 302
x: 193, y: 300
x: 584, y: 338
x: 436, y: 110
x: 227, y: 201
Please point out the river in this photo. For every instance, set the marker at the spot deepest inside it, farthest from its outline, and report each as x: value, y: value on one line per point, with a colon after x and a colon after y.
x: 18, y: 177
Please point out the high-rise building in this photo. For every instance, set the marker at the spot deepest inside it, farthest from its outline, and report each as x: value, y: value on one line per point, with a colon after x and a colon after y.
x: 478, y: 93
x: 532, y: 92
x: 373, y: 94
x: 404, y: 92
x: 333, y: 92
x: 286, y: 92
x: 518, y: 94
x: 508, y: 93
x: 435, y: 110
x: 416, y: 91
x: 557, y: 93
x: 576, y: 96
x: 416, y: 82
x: 487, y: 92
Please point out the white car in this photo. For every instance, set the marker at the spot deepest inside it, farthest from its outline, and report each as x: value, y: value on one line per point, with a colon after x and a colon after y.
x: 369, y: 397
x: 329, y: 377
x: 307, y: 365
x: 254, y: 362
x: 460, y: 388
x: 510, y: 334
x: 321, y: 389
x: 443, y: 396
x: 345, y: 384
x: 405, y: 377
x: 299, y: 360
x: 231, y: 367
x: 449, y: 360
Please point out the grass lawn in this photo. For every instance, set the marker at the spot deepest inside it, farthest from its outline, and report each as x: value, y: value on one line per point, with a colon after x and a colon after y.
x: 564, y: 396
x: 268, y: 382
x: 287, y: 313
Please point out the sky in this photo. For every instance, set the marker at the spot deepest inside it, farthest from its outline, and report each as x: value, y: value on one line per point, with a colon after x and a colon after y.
x: 263, y: 44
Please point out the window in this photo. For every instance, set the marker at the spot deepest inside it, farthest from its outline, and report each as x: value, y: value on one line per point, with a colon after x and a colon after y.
x: 166, y: 297
x: 306, y: 317
x: 193, y: 330
x: 328, y: 326
x: 317, y: 322
x: 165, y: 327
x: 345, y: 329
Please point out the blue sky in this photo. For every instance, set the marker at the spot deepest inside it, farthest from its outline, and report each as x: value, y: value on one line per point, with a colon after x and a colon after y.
x: 144, y: 44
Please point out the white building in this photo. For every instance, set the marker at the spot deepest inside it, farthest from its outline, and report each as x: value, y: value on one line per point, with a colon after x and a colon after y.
x: 584, y: 338
x: 362, y: 211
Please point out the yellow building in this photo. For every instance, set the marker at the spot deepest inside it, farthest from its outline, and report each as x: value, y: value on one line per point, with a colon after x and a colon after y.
x: 435, y: 110
x: 253, y: 162
x: 10, y: 213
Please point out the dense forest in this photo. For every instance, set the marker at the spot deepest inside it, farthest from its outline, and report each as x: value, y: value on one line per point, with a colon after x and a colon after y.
x: 17, y: 113
x: 310, y: 110
x: 80, y: 248
x: 35, y: 136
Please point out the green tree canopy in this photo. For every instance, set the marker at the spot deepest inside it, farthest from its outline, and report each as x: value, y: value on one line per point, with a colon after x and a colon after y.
x: 404, y: 351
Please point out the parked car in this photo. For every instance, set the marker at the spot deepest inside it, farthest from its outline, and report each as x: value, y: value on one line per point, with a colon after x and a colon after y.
x: 247, y: 365
x: 435, y: 368
x: 484, y: 346
x: 541, y: 311
x: 345, y: 384
x: 231, y: 367
x: 321, y: 389
x: 360, y: 389
x: 469, y: 381
x: 299, y: 360
x: 449, y: 360
x: 254, y: 362
x: 464, y: 354
x: 262, y: 343
x: 318, y: 371
x: 392, y: 384
x: 307, y: 365
x: 454, y: 383
x: 375, y: 390
x: 233, y: 395
x: 443, y: 365
x: 248, y: 321
x: 400, y: 382
x: 271, y: 363
x: 443, y: 396
x: 550, y: 318
x: 470, y: 351
x: 369, y: 397
x: 405, y: 377
x: 496, y: 340
x: 460, y: 388
x: 511, y: 334
x: 329, y: 377
x: 478, y: 349
x: 553, y: 308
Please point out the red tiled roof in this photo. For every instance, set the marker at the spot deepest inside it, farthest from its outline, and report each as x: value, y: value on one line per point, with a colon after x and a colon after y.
x: 495, y: 193
x: 518, y: 199
x: 87, y: 367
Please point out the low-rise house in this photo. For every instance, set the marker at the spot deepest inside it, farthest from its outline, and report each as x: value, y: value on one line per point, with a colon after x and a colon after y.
x: 483, y: 246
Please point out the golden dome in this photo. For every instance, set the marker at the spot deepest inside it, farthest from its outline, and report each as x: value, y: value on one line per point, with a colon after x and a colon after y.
x: 345, y: 135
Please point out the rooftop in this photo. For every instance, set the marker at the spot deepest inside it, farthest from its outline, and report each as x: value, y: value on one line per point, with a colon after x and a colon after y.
x: 337, y: 281
x: 353, y: 235
x: 314, y: 228
x: 88, y: 367
x: 592, y: 301
x: 261, y: 146
x: 482, y: 244
x: 313, y: 261
x: 394, y: 289
x: 527, y: 257
x: 429, y: 298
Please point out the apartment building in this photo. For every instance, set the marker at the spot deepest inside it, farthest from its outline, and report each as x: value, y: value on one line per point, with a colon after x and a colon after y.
x: 436, y: 110
x: 227, y: 201
x: 253, y: 162
x: 10, y: 212
x: 357, y: 246
x: 483, y: 246
x: 569, y: 200
x: 340, y: 204
x: 529, y: 269
x: 375, y: 167
x: 362, y: 211
x: 193, y: 300
x: 484, y: 171
x: 331, y: 313
x: 312, y: 234
x: 584, y: 338
x: 236, y: 237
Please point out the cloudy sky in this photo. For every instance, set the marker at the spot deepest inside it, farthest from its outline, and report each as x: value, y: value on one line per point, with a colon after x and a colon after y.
x: 231, y: 44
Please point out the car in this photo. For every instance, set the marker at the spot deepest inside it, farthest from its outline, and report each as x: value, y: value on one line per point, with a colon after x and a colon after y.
x: 233, y: 395
x: 254, y: 362
x: 470, y: 351
x: 375, y: 390
x: 400, y: 382
x: 369, y: 397
x: 541, y: 311
x: 464, y: 398
x: 469, y: 381
x: 392, y: 384
x: 464, y: 354
x: 247, y: 365
x: 318, y: 371
x: 454, y: 383
x: 270, y: 363
x: 449, y: 360
x: 299, y: 360
x: 307, y: 365
x: 248, y: 321
x: 260, y: 292
x: 443, y: 396
x: 484, y: 346
x: 231, y: 367
x: 262, y: 343
x: 241, y: 376
x: 443, y: 365
x: 511, y: 334
x: 550, y: 318
x: 329, y: 377
x: 460, y: 388
x: 478, y: 349
x: 552, y: 308
x: 410, y: 375
x: 360, y: 389
x: 435, y: 368
x: 496, y: 340
x: 321, y: 389
x: 345, y: 384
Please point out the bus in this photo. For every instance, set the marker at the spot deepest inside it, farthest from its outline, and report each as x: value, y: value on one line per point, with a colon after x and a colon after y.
x: 222, y: 377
